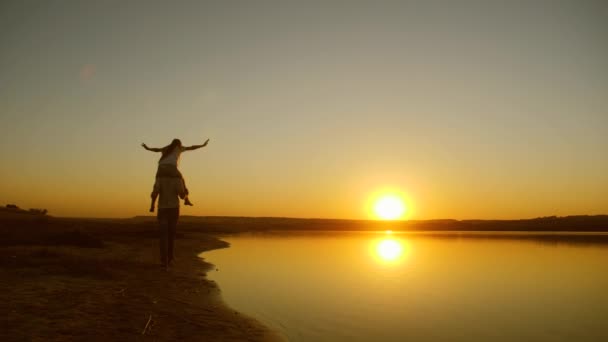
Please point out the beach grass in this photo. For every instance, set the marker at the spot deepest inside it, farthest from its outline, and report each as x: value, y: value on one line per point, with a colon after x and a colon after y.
x: 79, y: 279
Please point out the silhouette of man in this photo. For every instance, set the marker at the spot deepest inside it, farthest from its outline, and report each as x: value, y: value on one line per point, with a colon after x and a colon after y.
x: 170, y: 189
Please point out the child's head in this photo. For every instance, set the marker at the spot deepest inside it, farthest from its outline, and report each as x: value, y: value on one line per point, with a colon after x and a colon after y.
x: 176, y: 142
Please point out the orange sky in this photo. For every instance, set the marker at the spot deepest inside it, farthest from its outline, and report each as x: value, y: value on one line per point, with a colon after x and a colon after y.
x: 475, y: 111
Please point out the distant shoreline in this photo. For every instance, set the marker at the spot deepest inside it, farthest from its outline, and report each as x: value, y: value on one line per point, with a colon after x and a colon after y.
x: 597, y: 223
x: 572, y: 223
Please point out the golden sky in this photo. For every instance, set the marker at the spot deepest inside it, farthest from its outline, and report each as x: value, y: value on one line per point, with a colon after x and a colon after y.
x: 475, y: 110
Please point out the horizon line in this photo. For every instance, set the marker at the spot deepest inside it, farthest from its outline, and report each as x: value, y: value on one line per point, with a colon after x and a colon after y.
x: 337, y: 219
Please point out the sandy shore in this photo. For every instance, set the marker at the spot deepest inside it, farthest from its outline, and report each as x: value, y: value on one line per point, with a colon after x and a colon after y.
x: 101, y: 280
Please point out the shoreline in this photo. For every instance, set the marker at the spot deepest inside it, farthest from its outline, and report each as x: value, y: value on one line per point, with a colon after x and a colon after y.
x: 267, y: 334
x: 59, y: 285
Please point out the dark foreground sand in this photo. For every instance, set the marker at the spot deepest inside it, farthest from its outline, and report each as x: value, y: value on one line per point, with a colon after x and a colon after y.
x: 100, y: 280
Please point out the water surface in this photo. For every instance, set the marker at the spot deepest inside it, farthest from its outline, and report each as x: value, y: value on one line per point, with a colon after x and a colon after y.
x: 417, y: 287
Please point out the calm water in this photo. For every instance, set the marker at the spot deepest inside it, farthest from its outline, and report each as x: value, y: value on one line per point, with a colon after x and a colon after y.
x: 413, y: 287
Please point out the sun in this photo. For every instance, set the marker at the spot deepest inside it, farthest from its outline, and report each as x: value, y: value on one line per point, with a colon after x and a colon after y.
x: 389, y: 207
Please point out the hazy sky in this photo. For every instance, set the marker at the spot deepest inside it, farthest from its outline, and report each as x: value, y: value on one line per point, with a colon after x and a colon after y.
x: 471, y: 109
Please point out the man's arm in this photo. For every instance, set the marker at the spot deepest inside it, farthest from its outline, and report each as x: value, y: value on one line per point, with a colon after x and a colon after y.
x: 153, y: 149
x: 194, y: 147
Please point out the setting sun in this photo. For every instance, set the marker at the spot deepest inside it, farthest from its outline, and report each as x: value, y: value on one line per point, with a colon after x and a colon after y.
x: 389, y: 207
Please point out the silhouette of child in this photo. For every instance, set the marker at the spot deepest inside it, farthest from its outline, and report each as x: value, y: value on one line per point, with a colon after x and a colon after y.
x: 167, y: 165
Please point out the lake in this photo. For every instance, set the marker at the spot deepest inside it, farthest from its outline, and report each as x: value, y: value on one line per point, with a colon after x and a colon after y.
x: 384, y: 286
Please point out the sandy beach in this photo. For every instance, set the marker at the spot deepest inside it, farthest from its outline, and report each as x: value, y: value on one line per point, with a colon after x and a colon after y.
x: 80, y: 279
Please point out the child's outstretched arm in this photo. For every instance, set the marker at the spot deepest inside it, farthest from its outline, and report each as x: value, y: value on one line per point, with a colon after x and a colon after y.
x: 153, y: 149
x: 194, y: 147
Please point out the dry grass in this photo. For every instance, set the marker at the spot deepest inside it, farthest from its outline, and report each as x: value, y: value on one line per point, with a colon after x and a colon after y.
x: 54, y: 286
x: 44, y: 261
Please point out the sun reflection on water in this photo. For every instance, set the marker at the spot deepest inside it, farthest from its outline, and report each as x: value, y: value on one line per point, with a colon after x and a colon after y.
x: 389, y: 250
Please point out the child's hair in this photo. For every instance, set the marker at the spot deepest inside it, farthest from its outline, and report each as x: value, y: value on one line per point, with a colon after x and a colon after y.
x: 169, y: 148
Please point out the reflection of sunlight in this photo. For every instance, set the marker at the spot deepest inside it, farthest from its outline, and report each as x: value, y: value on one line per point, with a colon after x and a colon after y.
x: 389, y: 250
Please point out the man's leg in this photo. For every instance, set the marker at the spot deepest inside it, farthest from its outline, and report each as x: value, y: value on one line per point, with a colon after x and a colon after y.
x: 173, y: 217
x: 163, y: 224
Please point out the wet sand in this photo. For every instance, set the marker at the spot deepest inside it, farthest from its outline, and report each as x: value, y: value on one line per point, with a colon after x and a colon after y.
x: 70, y: 279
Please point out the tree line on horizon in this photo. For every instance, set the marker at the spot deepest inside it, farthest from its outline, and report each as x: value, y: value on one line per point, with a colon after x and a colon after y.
x: 33, y: 211
x: 578, y: 223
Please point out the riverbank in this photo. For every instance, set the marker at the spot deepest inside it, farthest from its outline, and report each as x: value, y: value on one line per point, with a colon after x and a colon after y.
x: 70, y: 279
